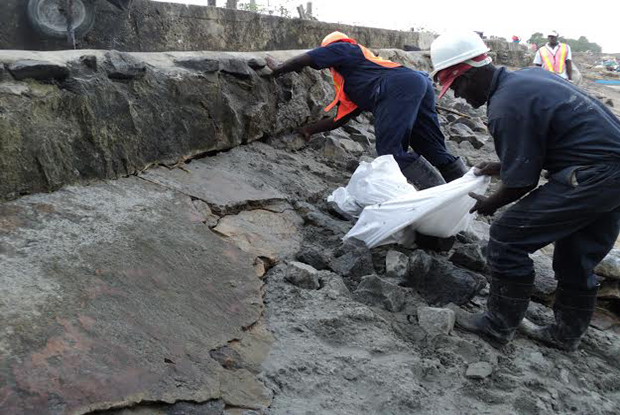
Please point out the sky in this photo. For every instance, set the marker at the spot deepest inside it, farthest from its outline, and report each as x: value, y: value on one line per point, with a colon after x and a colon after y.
x: 598, y: 21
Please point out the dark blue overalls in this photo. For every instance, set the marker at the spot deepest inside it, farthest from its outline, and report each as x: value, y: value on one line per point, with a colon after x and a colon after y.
x: 401, y: 99
x: 539, y: 121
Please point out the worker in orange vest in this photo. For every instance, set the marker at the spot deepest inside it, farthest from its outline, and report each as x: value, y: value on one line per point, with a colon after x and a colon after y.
x: 555, y: 57
x: 401, y: 99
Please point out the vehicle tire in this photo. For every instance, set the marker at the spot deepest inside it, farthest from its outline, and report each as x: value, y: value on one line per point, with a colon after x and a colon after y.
x: 47, y: 19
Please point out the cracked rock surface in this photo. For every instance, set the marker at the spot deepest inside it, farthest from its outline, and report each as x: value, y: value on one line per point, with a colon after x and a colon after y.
x: 217, y: 282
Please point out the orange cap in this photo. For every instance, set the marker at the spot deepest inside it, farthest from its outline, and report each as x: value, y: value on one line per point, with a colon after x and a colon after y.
x: 336, y: 37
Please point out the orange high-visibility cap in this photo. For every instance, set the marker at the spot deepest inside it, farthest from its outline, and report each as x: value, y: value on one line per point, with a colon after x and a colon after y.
x: 336, y: 37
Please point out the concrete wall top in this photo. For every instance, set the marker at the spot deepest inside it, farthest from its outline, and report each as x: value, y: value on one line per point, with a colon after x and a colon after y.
x: 156, y: 27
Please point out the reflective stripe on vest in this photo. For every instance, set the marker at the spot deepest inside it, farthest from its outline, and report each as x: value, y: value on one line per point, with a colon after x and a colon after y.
x: 554, y: 63
x: 346, y: 105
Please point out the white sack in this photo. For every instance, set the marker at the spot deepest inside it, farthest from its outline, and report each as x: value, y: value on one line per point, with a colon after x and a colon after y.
x: 440, y: 211
x: 372, y: 183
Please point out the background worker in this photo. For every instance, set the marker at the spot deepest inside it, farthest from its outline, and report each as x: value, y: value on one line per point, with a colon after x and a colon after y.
x: 538, y: 123
x: 401, y: 99
x: 555, y: 57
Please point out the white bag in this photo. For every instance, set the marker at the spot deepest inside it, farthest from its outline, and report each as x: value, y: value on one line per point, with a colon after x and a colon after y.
x: 440, y: 211
x: 372, y: 183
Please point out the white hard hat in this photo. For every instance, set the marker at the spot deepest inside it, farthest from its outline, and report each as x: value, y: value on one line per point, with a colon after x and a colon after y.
x: 455, y: 47
x: 553, y: 33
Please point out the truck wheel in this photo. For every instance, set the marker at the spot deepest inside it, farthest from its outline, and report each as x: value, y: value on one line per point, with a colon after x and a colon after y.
x: 47, y: 17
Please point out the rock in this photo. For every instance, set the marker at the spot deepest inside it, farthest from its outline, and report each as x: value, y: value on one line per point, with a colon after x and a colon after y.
x: 610, y: 265
x: 313, y: 258
x: 469, y: 256
x: 361, y: 139
x: 206, y: 215
x: 353, y: 260
x: 257, y: 63
x: 240, y: 388
x: 302, y: 275
x: 333, y: 284
x: 443, y: 283
x: 396, y: 264
x: 461, y: 132
x: 351, y: 147
x: 38, y: 70
x: 90, y: 61
x: 199, y: 64
x: 147, y: 270
x: 237, y: 67
x: 475, y: 124
x: 419, y: 265
x: 545, y: 283
x: 480, y: 370
x: 123, y: 66
x: 333, y: 149
x: 3, y: 73
x: 271, y: 235
x: 609, y: 290
x: 436, y: 321
x: 372, y: 290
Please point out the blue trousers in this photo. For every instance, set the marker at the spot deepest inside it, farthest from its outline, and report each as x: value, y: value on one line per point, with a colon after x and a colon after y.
x: 583, y: 219
x: 405, y: 117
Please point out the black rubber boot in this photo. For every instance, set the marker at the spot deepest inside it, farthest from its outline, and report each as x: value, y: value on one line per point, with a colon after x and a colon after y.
x: 573, y: 311
x: 422, y: 174
x: 454, y: 170
x: 506, y: 308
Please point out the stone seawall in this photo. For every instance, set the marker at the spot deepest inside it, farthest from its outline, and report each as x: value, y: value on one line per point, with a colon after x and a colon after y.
x: 76, y: 116
x: 157, y: 27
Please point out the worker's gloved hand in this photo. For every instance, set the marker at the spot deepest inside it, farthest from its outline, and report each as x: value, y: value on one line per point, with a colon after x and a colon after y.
x: 483, y: 205
x: 487, y: 168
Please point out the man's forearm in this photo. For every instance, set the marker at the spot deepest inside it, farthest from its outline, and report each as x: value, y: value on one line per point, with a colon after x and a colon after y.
x: 293, y: 65
x: 329, y: 124
x: 505, y: 195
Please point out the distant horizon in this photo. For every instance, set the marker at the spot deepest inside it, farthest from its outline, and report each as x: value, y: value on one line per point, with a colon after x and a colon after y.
x: 477, y: 15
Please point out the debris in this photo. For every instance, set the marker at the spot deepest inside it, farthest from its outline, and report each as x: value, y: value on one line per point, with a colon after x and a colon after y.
x: 237, y: 67
x: 123, y: 66
x: 610, y: 265
x: 436, y: 321
x: 451, y: 111
x: 257, y: 63
x: 353, y: 260
x: 469, y: 256
x: 443, y: 283
x: 460, y: 132
x: 480, y: 370
x: 302, y: 275
x: 38, y: 70
x: 372, y: 290
x: 199, y: 64
x: 396, y: 264
x: 314, y: 258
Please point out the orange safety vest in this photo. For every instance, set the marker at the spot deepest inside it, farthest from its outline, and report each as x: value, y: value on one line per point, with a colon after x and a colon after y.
x: 554, y: 63
x: 346, y: 105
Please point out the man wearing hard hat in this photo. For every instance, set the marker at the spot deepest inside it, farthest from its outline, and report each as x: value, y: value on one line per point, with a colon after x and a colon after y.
x: 555, y: 57
x: 538, y: 122
x: 401, y: 99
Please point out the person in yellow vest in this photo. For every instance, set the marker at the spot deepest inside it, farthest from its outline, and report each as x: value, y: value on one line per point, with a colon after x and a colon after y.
x: 401, y: 99
x: 555, y: 57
